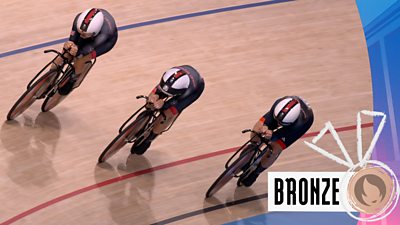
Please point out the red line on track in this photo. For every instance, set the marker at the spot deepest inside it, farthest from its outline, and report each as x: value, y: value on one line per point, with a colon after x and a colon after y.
x: 145, y: 171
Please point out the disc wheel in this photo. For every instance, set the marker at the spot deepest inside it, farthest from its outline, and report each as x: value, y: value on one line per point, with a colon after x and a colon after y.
x: 35, y: 91
x: 230, y: 172
x: 127, y: 134
x: 52, y: 101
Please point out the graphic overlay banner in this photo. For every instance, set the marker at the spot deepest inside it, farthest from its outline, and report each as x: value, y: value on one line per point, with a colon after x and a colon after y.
x: 372, y: 188
x: 307, y: 191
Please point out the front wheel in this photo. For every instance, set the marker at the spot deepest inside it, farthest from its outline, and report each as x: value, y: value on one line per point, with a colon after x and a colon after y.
x: 52, y: 101
x: 35, y: 91
x: 126, y: 135
x: 231, y: 171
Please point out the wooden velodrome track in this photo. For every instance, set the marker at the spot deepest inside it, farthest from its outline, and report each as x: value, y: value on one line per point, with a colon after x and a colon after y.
x: 248, y: 57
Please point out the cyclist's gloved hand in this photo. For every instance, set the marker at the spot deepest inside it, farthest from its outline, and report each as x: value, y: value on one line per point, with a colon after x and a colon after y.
x: 71, y: 47
x: 68, y: 44
x: 154, y: 102
x: 73, y: 50
x: 266, y: 132
x: 152, y: 98
x: 159, y: 104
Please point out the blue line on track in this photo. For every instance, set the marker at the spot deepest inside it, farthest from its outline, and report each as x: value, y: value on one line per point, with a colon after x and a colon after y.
x: 151, y: 22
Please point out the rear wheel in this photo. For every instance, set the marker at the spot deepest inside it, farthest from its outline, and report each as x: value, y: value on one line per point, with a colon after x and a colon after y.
x: 54, y: 99
x: 128, y: 134
x: 85, y: 71
x: 231, y: 171
x: 35, y: 91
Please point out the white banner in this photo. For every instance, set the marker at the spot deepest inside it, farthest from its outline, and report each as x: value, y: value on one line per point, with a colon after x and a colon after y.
x: 307, y: 191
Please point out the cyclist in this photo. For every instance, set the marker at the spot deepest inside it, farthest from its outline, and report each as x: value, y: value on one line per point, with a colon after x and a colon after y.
x: 179, y: 87
x: 288, y: 119
x: 93, y: 33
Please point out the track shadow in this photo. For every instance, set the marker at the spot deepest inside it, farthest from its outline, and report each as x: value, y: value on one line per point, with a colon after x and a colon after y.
x: 32, y: 144
x: 217, y: 212
x: 128, y: 199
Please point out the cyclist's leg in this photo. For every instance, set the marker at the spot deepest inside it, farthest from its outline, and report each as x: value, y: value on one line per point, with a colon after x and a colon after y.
x: 271, y: 156
x: 80, y: 67
x: 175, y: 109
x: 268, y: 159
x: 287, y: 139
x: 161, y: 123
x: 290, y: 137
x: 85, y: 54
x: 79, y: 63
x: 58, y: 61
x: 245, y: 150
x: 143, y: 143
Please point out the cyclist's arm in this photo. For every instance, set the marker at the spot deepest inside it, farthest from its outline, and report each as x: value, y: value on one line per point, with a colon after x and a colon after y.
x: 96, y: 48
x: 167, y: 104
x: 257, y: 127
x: 153, y: 96
x: 156, y: 98
x: 266, y: 123
x: 153, y: 93
x: 260, y: 127
x: 70, y: 45
x: 74, y: 35
x: 171, y: 105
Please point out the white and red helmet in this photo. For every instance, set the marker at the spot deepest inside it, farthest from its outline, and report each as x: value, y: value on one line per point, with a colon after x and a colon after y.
x: 174, y: 82
x: 287, y: 111
x: 90, y: 21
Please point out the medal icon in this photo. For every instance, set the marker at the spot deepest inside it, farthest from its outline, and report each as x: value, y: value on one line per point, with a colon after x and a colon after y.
x: 370, y: 186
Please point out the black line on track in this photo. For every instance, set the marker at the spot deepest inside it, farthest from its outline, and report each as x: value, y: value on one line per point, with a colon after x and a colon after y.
x: 210, y: 209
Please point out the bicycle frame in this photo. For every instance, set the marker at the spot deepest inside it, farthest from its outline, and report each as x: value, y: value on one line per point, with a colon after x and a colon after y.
x: 66, y: 61
x: 257, y: 146
x: 255, y: 160
x: 154, y: 114
x: 148, y: 127
x: 65, y: 72
x: 133, y: 115
x: 94, y: 61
